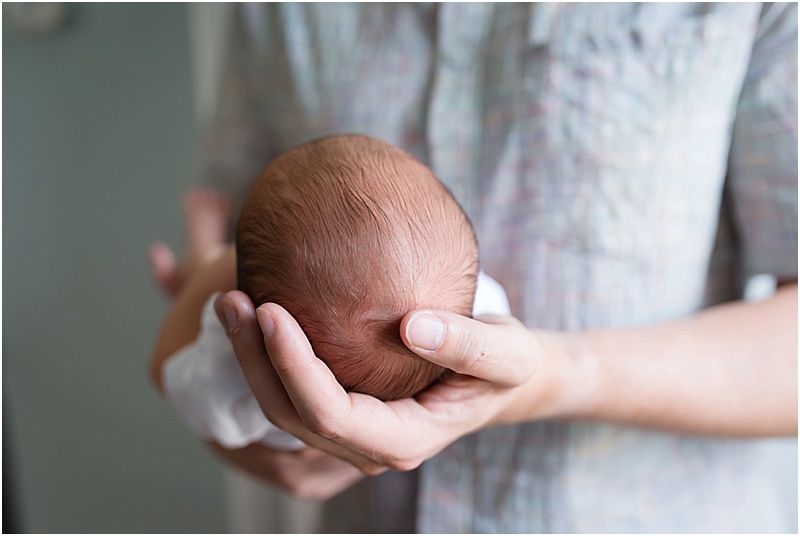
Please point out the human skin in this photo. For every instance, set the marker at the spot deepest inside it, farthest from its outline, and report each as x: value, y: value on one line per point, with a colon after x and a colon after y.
x: 206, y: 214
x: 309, y: 472
x: 730, y: 370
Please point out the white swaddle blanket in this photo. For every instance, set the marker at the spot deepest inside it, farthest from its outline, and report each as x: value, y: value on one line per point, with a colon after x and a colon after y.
x: 204, y: 382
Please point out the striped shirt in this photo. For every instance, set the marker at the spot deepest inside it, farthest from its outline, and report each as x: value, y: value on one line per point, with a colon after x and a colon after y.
x: 622, y: 164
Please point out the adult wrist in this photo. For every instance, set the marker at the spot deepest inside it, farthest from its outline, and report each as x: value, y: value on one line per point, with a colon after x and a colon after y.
x: 580, y: 386
x: 565, y: 385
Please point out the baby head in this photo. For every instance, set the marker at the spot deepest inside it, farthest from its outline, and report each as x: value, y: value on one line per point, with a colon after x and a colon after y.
x: 349, y: 234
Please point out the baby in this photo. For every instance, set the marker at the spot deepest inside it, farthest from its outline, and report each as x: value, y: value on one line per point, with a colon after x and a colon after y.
x: 349, y: 234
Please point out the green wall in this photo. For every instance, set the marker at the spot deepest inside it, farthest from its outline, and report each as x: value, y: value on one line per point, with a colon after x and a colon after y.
x: 98, y: 134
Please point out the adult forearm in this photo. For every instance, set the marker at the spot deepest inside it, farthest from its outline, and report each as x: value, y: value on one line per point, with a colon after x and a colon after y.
x: 730, y: 370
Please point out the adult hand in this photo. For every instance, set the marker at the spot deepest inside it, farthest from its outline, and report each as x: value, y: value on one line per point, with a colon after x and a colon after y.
x: 307, y: 473
x: 493, y: 363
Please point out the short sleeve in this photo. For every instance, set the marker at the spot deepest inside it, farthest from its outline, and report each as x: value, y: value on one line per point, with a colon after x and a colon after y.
x: 763, y: 160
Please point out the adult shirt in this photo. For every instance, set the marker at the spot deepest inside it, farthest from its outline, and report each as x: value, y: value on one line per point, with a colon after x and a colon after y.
x: 622, y: 164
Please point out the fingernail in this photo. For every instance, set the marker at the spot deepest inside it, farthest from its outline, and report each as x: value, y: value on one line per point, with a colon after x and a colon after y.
x: 266, y: 322
x: 231, y: 316
x: 425, y: 331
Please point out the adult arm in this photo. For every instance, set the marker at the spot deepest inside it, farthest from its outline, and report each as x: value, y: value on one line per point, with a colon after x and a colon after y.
x: 728, y: 371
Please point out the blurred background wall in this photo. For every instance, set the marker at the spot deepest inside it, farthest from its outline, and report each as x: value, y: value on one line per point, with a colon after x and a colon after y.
x: 100, y: 118
x: 99, y: 130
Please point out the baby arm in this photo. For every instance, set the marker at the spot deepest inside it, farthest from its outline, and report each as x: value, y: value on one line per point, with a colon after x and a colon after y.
x: 205, y: 218
x: 307, y: 473
x: 196, y: 370
x: 182, y: 323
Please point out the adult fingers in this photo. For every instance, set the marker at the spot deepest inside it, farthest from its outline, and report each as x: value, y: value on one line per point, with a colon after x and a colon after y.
x: 236, y: 312
x: 327, y: 412
x: 307, y: 473
x: 274, y: 358
x: 498, y: 349
x: 312, y: 405
x: 267, y: 383
x: 317, y: 396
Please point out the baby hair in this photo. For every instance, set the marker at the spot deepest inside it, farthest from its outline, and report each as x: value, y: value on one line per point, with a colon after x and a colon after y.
x: 348, y: 234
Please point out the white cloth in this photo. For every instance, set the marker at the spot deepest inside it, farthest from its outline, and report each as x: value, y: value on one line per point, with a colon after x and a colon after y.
x: 205, y: 384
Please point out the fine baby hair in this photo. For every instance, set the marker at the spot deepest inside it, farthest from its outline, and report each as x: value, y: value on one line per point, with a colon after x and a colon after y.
x: 348, y: 234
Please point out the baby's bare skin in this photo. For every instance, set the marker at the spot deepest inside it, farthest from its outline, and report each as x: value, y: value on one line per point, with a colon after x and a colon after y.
x: 206, y: 214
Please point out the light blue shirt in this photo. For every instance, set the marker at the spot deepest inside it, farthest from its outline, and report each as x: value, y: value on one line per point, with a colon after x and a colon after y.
x: 622, y: 164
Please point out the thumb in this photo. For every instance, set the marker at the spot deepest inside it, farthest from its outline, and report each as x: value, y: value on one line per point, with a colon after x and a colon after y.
x: 501, y: 349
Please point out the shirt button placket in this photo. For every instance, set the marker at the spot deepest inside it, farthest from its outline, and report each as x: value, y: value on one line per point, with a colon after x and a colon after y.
x: 454, y: 108
x: 454, y: 137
